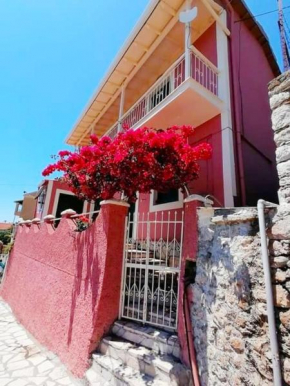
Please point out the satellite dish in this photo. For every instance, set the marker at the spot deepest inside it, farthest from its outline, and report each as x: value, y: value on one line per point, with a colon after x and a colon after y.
x: 188, y: 15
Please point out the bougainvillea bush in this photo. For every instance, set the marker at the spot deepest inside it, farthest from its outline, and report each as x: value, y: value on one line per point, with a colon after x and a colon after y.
x: 134, y: 161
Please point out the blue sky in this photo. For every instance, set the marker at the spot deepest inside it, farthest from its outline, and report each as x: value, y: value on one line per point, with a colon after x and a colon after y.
x: 53, y: 54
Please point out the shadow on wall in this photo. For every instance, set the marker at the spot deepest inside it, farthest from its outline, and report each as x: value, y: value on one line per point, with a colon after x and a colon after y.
x: 229, y: 310
x: 64, y: 286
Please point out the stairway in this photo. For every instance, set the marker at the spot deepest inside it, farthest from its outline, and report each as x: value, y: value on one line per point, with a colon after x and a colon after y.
x: 134, y: 355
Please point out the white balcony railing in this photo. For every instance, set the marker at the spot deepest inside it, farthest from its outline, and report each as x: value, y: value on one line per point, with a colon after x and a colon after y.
x: 201, y: 70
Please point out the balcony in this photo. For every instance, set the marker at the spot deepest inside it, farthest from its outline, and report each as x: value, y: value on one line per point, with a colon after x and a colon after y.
x: 175, y: 100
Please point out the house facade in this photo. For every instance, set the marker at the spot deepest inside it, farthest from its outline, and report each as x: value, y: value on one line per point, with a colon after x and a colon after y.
x: 53, y: 197
x: 25, y: 207
x: 205, y: 64
x: 212, y: 73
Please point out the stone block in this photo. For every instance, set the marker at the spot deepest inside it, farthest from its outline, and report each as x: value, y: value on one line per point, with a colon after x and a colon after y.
x: 281, y: 297
x: 279, y: 261
x: 284, y: 169
x: 284, y: 195
x: 278, y: 99
x: 283, y: 153
x: 286, y: 372
x: 282, y: 136
x: 281, y: 117
x: 279, y: 84
x: 281, y: 229
x: 279, y: 247
x: 237, y: 344
x: 279, y: 276
x: 284, y: 182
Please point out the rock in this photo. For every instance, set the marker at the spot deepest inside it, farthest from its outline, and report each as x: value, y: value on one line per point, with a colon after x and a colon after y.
x: 261, y: 345
x: 284, y: 169
x: 284, y: 182
x: 278, y: 248
x: 279, y: 276
x: 281, y: 297
x: 278, y: 99
x: 286, y: 372
x: 241, y: 321
x: 281, y: 117
x: 281, y: 229
x: 285, y: 319
x: 259, y: 294
x: 283, y: 153
x: 284, y: 195
x: 237, y: 344
x: 282, y: 136
x: 238, y: 361
x: 279, y: 261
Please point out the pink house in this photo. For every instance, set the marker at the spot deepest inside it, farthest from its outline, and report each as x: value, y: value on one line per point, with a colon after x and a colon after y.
x: 53, y: 197
x: 217, y: 83
x: 204, y: 63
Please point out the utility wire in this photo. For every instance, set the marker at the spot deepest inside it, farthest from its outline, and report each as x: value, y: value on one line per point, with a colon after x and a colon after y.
x: 261, y: 14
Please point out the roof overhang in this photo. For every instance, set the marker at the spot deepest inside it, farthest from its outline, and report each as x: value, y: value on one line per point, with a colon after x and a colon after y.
x: 155, y: 25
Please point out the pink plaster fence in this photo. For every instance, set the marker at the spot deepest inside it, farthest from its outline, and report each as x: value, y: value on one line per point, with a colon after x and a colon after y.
x: 64, y: 286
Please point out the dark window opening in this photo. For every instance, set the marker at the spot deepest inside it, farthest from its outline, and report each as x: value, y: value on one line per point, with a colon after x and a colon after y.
x: 68, y: 201
x: 164, y: 198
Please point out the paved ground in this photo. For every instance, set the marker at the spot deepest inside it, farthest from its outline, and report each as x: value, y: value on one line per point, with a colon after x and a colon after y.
x: 23, y: 362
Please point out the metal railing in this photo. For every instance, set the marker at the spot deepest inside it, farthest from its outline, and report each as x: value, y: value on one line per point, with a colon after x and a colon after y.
x: 201, y: 70
x: 151, y: 269
x: 113, y: 131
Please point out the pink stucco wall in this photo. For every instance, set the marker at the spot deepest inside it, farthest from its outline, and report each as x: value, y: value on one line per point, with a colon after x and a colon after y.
x: 207, y: 44
x: 211, y: 172
x: 64, y: 286
x: 253, y: 75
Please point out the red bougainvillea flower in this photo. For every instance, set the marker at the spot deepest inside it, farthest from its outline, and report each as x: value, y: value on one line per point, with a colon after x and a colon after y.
x: 134, y: 161
x: 83, y: 219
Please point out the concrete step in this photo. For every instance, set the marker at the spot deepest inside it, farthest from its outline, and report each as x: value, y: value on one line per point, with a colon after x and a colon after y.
x: 163, y: 367
x: 161, y: 342
x: 115, y: 373
x: 93, y: 378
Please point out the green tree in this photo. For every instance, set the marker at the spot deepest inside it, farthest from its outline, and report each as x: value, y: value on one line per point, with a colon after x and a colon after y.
x: 5, y: 236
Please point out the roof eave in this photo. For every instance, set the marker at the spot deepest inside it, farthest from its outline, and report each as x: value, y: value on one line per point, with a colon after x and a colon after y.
x: 150, y: 8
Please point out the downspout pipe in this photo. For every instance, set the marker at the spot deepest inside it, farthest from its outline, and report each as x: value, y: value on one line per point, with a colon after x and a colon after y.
x: 235, y: 99
x: 269, y: 293
x: 190, y: 337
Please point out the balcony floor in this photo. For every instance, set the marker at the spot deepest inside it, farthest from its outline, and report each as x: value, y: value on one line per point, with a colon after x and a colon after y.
x: 190, y: 104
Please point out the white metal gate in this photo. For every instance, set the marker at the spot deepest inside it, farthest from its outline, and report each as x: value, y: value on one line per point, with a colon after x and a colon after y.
x: 151, y: 268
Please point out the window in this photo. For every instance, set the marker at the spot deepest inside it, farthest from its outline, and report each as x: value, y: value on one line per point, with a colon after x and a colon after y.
x: 172, y: 199
x: 165, y: 198
x: 41, y: 201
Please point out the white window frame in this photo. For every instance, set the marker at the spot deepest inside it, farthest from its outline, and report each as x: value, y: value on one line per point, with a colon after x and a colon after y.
x: 56, y: 199
x: 168, y: 206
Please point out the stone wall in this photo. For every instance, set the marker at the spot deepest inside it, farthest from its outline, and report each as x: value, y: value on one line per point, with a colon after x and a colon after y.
x: 229, y: 307
x: 229, y: 311
x: 279, y: 93
x: 279, y: 234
